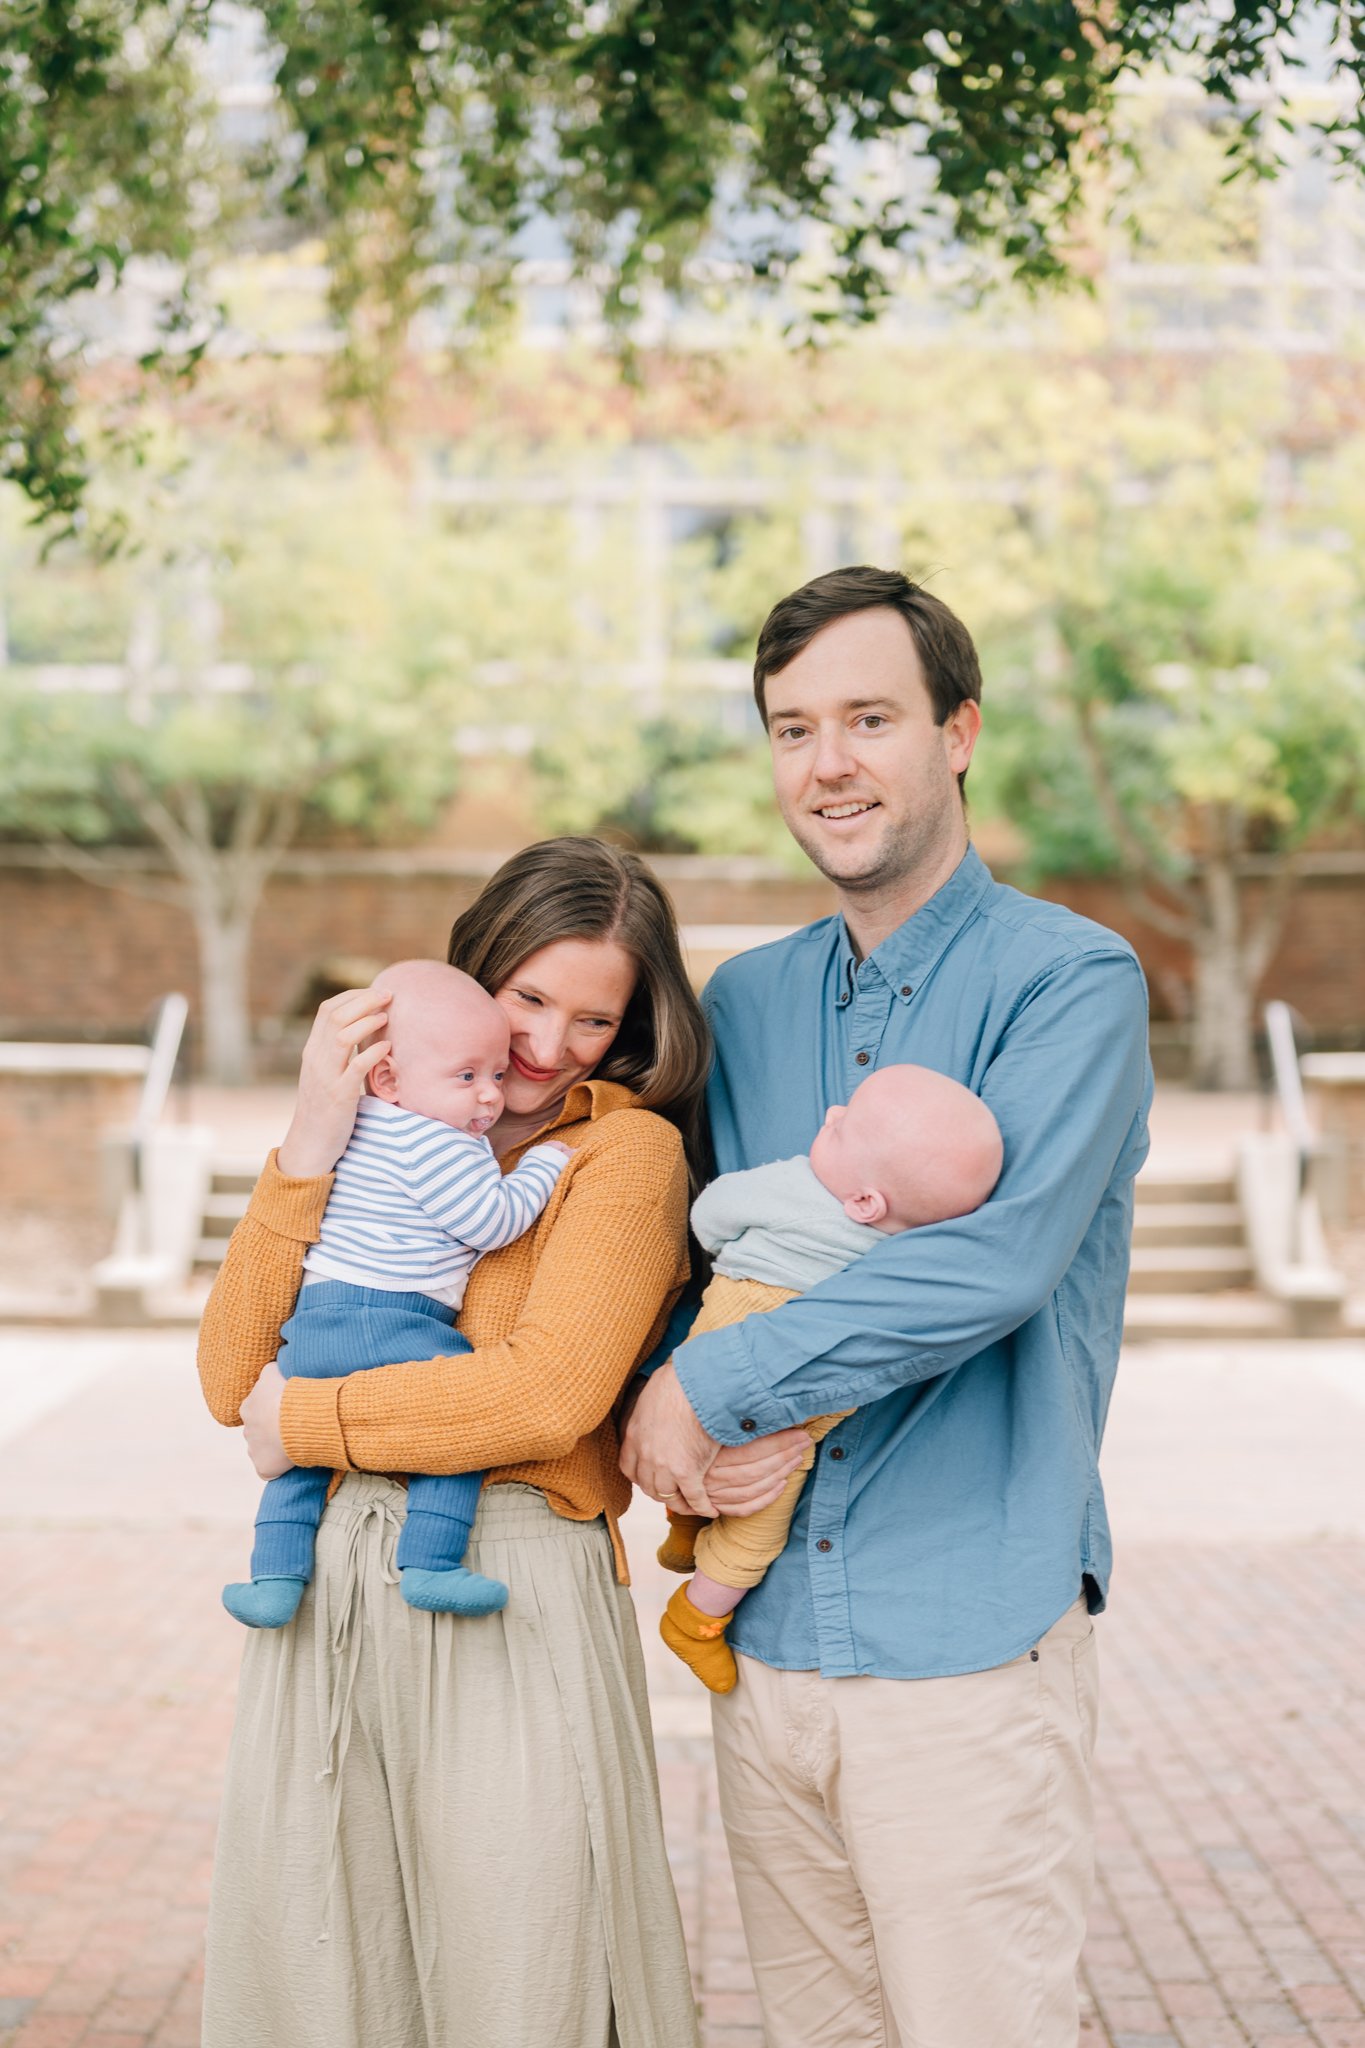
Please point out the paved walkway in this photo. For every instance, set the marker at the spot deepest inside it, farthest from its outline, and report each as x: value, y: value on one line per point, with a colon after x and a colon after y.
x: 1231, y: 1905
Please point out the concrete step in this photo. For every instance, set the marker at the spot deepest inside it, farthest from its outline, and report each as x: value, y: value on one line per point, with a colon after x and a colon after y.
x: 1192, y: 1269
x: 235, y: 1176
x: 222, y: 1213
x: 1232, y: 1316
x: 1187, y: 1223
x: 1162, y: 1188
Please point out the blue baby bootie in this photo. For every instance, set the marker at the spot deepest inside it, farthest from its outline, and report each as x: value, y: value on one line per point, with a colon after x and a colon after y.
x: 454, y: 1592
x: 264, y: 1603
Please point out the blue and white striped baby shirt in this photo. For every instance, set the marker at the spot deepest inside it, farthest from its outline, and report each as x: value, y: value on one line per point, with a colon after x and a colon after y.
x: 416, y: 1203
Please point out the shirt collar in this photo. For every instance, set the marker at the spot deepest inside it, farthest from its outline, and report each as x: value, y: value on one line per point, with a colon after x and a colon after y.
x: 906, y: 955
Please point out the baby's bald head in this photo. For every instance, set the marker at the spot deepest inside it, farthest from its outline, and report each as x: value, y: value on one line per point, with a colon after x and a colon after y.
x: 448, y: 1043
x: 910, y: 1147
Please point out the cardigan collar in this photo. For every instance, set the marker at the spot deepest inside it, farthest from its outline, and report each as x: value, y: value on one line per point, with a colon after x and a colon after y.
x: 586, y: 1102
x: 589, y: 1100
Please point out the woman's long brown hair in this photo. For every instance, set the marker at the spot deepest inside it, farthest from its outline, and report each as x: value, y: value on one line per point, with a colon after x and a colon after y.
x: 574, y: 888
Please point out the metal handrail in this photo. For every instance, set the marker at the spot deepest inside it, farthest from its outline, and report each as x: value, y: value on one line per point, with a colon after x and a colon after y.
x: 1284, y: 1062
x: 168, y: 1032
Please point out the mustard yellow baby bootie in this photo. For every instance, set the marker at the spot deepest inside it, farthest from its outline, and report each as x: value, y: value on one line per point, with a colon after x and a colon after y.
x: 678, y: 1551
x: 699, y: 1639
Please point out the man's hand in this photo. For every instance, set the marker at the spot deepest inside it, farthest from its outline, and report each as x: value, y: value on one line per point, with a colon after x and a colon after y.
x: 261, y: 1424
x: 666, y: 1452
x: 747, y: 1477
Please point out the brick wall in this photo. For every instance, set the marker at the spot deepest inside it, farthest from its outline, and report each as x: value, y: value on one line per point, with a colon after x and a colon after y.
x: 52, y: 1127
x: 1319, y: 967
x: 78, y: 960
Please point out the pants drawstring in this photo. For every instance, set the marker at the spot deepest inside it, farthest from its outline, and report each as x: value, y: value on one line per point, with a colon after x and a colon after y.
x: 345, y: 1646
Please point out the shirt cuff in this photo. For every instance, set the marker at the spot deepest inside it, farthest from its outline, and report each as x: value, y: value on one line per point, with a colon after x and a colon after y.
x: 310, y: 1424
x: 290, y: 1208
x: 731, y: 1402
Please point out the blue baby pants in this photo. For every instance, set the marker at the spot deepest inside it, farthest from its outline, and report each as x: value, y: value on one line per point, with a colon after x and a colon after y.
x: 338, y: 1329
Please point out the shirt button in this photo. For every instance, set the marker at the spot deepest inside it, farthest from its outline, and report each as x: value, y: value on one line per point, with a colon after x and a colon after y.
x: 837, y: 1451
x: 907, y: 990
x: 748, y: 1423
x: 824, y: 1544
x: 863, y: 1058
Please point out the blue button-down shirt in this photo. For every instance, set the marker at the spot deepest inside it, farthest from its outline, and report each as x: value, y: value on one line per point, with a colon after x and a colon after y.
x: 959, y: 1512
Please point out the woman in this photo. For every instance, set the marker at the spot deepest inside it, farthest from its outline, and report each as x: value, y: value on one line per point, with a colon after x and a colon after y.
x: 436, y: 1831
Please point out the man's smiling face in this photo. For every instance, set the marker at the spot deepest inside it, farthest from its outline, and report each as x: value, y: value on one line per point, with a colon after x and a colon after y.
x: 865, y: 780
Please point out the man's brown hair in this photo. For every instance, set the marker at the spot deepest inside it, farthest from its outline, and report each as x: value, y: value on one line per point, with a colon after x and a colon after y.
x: 945, y: 647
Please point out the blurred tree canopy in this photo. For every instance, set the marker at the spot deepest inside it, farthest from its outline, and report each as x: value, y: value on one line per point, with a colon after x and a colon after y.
x: 1163, y: 565
x: 1192, y: 715
x: 302, y: 644
x: 1164, y: 568
x: 421, y: 141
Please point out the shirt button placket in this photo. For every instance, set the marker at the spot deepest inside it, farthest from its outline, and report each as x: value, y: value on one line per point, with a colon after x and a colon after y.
x: 830, y: 1485
x: 871, y: 1009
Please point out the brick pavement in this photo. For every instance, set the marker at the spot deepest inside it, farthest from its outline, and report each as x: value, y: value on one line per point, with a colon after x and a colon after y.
x: 1231, y: 1902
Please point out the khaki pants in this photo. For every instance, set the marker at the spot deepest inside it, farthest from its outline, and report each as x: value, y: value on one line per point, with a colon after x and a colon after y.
x: 914, y: 1857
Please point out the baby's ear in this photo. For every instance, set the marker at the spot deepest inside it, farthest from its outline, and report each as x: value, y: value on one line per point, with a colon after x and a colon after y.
x: 382, y: 1079
x: 869, y: 1208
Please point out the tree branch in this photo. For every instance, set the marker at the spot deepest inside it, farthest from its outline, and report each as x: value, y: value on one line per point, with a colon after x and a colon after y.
x: 198, y: 818
x: 1176, y: 924
x: 1141, y: 861
x: 246, y: 821
x: 284, y: 825
x: 90, y: 869
x: 161, y: 822
x: 1259, y: 948
x: 261, y: 832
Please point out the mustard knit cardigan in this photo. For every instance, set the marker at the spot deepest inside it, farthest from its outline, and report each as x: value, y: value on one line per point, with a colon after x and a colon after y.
x: 559, y: 1320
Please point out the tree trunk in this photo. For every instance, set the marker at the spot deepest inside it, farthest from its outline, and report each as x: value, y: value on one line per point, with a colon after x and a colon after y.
x: 1223, y: 1054
x: 224, y: 957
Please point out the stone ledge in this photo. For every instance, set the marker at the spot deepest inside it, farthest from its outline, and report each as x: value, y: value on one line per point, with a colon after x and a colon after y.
x: 39, y: 1057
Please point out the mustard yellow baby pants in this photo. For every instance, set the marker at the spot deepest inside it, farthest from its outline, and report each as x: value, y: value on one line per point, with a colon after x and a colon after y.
x: 736, y: 1550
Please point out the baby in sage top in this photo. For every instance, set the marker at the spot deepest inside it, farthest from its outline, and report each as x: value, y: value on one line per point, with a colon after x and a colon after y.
x: 910, y: 1147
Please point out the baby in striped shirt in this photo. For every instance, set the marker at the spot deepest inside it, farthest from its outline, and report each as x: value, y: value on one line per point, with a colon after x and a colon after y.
x: 418, y: 1197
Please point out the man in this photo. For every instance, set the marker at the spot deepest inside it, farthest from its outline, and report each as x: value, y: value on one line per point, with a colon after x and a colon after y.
x: 905, y: 1762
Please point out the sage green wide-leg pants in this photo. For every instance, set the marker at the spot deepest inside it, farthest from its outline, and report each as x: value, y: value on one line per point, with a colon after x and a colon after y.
x: 443, y: 1832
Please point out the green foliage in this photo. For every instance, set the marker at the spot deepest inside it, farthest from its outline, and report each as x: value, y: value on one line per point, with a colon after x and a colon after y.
x: 633, y: 125
x: 105, y: 157
x: 816, y: 145
x: 671, y: 784
x: 724, y: 804
x: 1204, y: 693
x: 349, y: 639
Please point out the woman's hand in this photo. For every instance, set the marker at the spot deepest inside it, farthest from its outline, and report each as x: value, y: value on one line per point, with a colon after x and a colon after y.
x: 665, y: 1451
x: 332, y: 1080
x: 261, y: 1424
